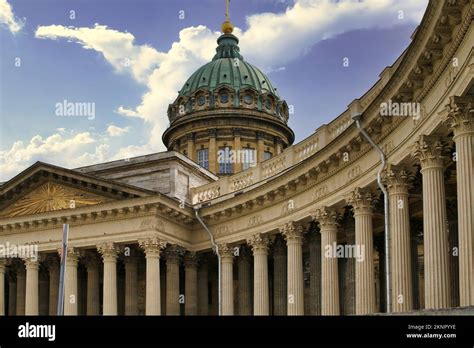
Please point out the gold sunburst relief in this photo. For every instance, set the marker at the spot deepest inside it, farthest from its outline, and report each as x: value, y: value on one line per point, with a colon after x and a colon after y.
x: 50, y: 197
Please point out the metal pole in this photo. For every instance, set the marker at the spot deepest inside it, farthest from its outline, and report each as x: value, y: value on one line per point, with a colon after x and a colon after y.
x: 357, y: 118
x: 216, y: 249
x: 63, y: 269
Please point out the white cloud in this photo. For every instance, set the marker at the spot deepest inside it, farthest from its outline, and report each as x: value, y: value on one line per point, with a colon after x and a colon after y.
x: 117, y: 47
x: 8, y: 19
x: 275, y: 39
x: 54, y: 149
x: 127, y: 112
x: 115, y: 131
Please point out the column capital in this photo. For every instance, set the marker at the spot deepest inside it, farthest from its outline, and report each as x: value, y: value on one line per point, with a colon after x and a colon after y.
x: 327, y: 217
x: 31, y: 262
x: 292, y: 231
x: 361, y: 200
x: 259, y: 243
x: 398, y: 179
x: 226, y: 251
x: 459, y: 116
x: 430, y: 151
x: 191, y: 259
x: 173, y: 253
x: 108, y: 251
x: 152, y: 246
x: 3, y: 263
x: 72, y: 255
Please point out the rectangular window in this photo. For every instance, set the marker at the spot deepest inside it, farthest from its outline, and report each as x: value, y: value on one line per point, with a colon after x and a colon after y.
x: 267, y: 155
x: 225, y: 161
x: 248, y: 158
x: 203, y: 158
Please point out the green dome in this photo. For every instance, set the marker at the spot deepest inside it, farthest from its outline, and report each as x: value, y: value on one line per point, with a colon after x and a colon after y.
x: 228, y: 68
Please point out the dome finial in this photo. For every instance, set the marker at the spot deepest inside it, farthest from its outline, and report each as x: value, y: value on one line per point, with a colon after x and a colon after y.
x: 227, y: 27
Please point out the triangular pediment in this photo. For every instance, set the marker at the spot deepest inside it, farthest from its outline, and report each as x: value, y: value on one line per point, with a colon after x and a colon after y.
x: 44, y: 188
x: 51, y: 196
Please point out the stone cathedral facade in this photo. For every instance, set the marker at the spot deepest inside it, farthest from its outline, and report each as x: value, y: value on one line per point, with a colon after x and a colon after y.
x: 137, y: 246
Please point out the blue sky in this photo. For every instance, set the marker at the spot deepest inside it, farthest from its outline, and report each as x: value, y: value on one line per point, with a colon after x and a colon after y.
x: 130, y: 57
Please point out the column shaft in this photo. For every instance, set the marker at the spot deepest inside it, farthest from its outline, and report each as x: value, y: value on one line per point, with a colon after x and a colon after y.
x: 190, y: 284
x: 109, y: 256
x: 70, y: 284
x: 153, y: 306
x: 227, y: 281
x: 460, y: 118
x: 261, y: 302
x: 465, y: 189
x: 172, y: 281
x: 245, y: 285
x: 32, y: 287
x: 293, y: 234
x: 436, y: 240
x: 401, y: 267
x: 365, y: 283
x: 131, y: 289
x: 93, y: 290
x: 430, y: 151
x: 326, y: 218
x: 152, y: 247
x: 280, y: 276
x: 330, y: 286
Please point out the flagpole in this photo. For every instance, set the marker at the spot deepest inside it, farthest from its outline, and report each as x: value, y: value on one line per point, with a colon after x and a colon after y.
x: 63, y: 269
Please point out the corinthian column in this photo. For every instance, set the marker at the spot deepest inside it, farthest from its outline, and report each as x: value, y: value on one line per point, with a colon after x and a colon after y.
x: 32, y: 286
x: 131, y: 285
x: 190, y: 283
x: 293, y: 234
x: 280, y: 263
x: 326, y: 217
x: 259, y: 244
x: 70, y: 283
x: 52, y: 263
x: 172, y: 280
x: 93, y: 284
x: 361, y: 202
x: 109, y: 255
x: 460, y: 118
x: 227, y: 284
x: 401, y: 267
x: 430, y: 151
x: 152, y: 247
x: 3, y: 264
